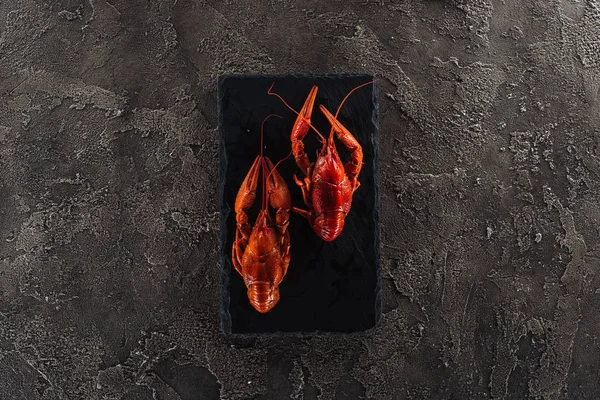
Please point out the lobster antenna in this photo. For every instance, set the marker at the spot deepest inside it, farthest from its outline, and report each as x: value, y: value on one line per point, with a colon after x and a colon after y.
x: 321, y: 137
x: 262, y: 160
x: 342, y: 103
x: 279, y: 162
x: 263, y: 167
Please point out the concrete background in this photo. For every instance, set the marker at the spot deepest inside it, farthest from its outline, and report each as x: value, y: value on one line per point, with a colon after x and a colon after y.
x: 490, y: 135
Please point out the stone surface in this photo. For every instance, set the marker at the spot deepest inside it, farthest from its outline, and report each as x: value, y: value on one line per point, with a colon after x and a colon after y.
x: 110, y: 219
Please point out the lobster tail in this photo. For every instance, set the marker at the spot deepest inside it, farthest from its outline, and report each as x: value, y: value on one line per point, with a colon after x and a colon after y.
x: 329, y: 225
x: 263, y: 296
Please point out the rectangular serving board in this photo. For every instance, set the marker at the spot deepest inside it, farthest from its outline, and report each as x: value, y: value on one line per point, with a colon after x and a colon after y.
x: 329, y: 287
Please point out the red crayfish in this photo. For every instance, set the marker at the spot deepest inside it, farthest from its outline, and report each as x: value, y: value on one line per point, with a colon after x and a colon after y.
x: 328, y: 185
x: 261, y: 254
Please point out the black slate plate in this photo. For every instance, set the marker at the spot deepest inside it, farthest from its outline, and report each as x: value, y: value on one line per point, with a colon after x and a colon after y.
x: 329, y: 287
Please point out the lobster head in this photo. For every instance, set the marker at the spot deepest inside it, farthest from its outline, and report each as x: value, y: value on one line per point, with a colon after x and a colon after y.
x: 263, y: 296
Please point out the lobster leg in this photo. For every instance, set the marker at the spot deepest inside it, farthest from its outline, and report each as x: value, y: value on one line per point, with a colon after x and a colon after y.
x: 353, y: 166
x: 302, y: 212
x: 279, y: 197
x: 286, y: 252
x: 301, y: 127
x: 246, y: 197
x: 237, y: 252
x: 308, y: 214
x: 305, y: 184
x: 304, y: 187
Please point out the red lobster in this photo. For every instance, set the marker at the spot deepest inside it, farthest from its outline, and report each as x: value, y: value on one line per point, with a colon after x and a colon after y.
x: 261, y: 254
x: 328, y: 186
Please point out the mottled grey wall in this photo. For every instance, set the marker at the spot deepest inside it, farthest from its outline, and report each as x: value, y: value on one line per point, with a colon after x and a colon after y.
x: 490, y: 129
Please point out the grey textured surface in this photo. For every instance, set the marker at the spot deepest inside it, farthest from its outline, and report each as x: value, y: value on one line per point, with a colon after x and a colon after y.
x: 490, y: 130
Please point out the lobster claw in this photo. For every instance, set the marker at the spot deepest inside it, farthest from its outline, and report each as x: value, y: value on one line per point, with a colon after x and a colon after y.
x: 302, y: 124
x: 300, y: 129
x: 355, y: 164
x: 247, y: 194
x: 245, y: 199
x: 279, y: 196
